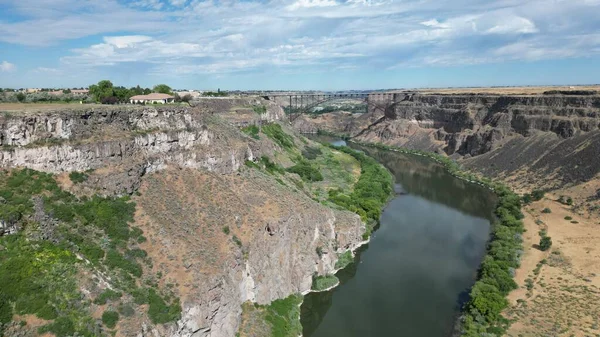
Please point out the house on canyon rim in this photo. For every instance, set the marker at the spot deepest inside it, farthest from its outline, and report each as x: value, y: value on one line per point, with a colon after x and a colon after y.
x: 152, y: 98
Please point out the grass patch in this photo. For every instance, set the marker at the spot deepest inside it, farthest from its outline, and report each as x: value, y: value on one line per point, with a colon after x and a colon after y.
x: 306, y: 171
x: 344, y: 260
x: 107, y: 295
x: 372, y: 190
x: 284, y: 316
x: 270, y: 166
x: 158, y: 310
x: 251, y: 131
x: 78, y: 177
x: 110, y: 318
x: 259, y: 109
x: 311, y: 153
x: 276, y: 133
x: 324, y: 282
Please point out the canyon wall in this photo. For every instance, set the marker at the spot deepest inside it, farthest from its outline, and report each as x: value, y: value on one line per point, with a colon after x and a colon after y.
x: 502, y: 128
x: 183, y: 168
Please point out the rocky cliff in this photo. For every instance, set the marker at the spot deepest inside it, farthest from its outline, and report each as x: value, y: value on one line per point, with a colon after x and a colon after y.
x: 218, y: 232
x: 469, y: 126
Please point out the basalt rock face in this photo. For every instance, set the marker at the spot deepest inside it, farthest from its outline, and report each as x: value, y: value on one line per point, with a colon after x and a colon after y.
x: 186, y: 163
x: 131, y: 140
x: 466, y: 126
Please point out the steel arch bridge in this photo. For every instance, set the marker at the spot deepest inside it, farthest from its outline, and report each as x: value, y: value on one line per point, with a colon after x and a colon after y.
x: 298, y: 104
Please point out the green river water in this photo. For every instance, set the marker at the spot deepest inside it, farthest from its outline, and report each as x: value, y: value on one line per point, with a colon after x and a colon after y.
x: 416, y: 272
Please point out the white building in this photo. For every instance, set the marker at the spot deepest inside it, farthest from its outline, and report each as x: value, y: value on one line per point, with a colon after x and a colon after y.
x: 152, y: 98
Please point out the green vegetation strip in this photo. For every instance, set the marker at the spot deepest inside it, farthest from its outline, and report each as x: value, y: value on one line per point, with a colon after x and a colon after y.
x: 371, y: 192
x: 482, y: 313
x: 344, y: 260
x: 324, y: 282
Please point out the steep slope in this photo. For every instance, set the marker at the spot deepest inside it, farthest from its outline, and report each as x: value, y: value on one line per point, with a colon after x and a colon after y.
x: 551, y: 134
x: 214, y: 220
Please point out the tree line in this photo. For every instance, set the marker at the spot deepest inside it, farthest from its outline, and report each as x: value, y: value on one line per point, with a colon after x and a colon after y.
x: 106, y: 93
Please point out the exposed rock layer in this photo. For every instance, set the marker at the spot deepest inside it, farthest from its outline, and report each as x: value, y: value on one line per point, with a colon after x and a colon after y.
x: 554, y: 130
x: 186, y: 163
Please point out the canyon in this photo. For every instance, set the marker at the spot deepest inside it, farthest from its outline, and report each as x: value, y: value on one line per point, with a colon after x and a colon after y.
x: 545, y: 141
x: 217, y: 232
x: 227, y: 230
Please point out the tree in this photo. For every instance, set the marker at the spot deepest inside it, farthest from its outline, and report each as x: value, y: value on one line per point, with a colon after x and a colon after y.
x: 186, y: 98
x: 137, y: 90
x: 102, y: 90
x: 20, y: 97
x: 545, y: 243
x: 123, y: 94
x: 162, y: 88
x: 66, y: 91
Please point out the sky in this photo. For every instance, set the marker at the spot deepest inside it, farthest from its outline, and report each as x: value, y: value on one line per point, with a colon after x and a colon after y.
x: 299, y: 44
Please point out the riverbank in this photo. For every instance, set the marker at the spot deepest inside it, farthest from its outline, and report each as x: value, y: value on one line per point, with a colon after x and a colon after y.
x: 482, y: 313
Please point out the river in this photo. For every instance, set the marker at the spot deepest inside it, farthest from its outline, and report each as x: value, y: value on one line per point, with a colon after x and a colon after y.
x: 416, y: 272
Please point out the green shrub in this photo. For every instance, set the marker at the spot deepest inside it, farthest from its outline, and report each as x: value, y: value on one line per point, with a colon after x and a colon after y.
x: 537, y: 195
x: 270, y: 166
x: 372, y: 190
x: 252, y: 131
x: 61, y: 327
x: 110, y: 318
x: 306, y: 171
x: 78, y: 177
x: 546, y: 210
x: 324, y: 282
x: 259, y: 109
x: 115, y: 260
x: 545, y: 243
x: 237, y: 241
x: 568, y: 218
x: 284, y: 316
x: 344, y: 260
x: 276, y: 133
x: 252, y: 164
x: 158, y: 310
x: 226, y: 230
x: 311, y: 153
x: 140, y: 296
x: 107, y: 295
x: 126, y: 310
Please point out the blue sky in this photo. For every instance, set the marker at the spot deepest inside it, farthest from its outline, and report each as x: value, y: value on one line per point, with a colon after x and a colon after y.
x: 299, y: 44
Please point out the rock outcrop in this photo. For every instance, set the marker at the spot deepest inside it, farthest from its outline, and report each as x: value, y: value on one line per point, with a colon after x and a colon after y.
x: 468, y: 126
x: 185, y: 163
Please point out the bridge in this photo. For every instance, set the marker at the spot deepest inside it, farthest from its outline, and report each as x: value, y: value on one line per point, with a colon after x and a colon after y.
x: 296, y: 104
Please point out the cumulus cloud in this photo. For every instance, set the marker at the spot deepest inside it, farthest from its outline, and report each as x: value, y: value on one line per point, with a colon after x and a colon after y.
x: 7, y: 67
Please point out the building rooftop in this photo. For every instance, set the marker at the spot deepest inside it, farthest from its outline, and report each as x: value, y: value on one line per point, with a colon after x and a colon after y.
x: 151, y: 96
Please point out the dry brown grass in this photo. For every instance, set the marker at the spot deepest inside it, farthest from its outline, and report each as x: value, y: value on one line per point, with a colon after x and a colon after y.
x: 563, y: 298
x: 43, y: 106
x: 506, y: 90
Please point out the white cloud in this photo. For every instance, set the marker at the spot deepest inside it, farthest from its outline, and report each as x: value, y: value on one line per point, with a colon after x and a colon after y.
x: 126, y: 41
x: 312, y: 3
x: 178, y: 3
x: 46, y: 70
x: 210, y: 36
x: 7, y: 67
